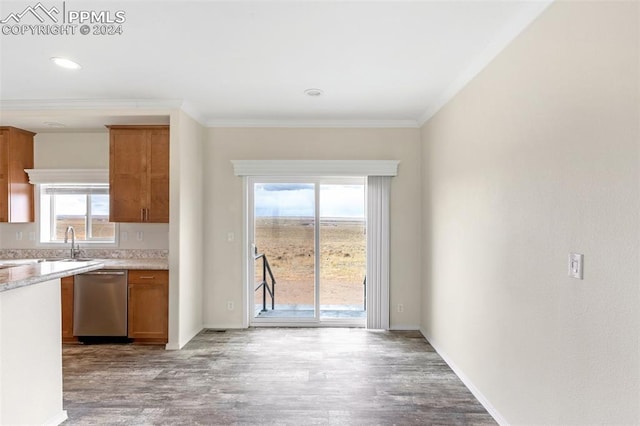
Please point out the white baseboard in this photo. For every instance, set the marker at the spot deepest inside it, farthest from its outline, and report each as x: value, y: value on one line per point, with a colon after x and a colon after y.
x: 173, y: 346
x: 223, y: 326
x: 466, y: 381
x: 405, y: 328
x: 285, y: 324
x: 57, y: 419
x: 191, y: 335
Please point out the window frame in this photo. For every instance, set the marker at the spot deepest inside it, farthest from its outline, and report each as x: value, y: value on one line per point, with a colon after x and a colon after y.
x: 93, y: 243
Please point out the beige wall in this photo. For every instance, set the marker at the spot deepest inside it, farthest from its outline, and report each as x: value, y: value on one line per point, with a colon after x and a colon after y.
x: 186, y: 237
x: 71, y: 150
x: 223, y: 206
x: 538, y: 157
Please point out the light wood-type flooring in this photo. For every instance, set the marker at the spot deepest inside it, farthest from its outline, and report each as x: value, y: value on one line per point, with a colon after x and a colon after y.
x: 273, y: 376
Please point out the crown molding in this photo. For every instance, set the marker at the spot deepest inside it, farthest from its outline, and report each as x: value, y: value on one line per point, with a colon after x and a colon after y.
x: 167, y: 105
x: 46, y: 176
x: 98, y: 104
x: 193, y: 112
x: 505, y: 36
x: 412, y: 124
x: 315, y: 168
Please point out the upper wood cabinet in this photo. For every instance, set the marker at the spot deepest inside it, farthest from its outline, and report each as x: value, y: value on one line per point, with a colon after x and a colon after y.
x: 16, y: 193
x: 139, y: 174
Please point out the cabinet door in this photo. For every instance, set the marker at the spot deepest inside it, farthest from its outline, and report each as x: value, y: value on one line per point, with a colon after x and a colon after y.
x: 20, y: 190
x: 4, y: 175
x: 67, y: 308
x: 16, y: 193
x: 127, y: 171
x: 149, y: 305
x: 158, y: 180
x: 139, y: 174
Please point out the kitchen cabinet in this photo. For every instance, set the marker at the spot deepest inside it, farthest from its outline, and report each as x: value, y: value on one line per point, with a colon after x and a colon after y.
x: 139, y: 174
x: 148, y: 317
x: 66, y: 287
x: 16, y: 193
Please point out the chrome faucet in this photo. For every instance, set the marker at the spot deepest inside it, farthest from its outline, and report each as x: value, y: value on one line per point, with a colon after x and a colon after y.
x: 73, y: 240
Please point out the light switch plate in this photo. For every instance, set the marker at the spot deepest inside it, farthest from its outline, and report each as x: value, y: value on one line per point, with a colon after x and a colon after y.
x: 576, y: 265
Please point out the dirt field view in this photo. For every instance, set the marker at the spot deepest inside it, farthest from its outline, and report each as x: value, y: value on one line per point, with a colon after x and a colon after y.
x: 101, y: 227
x: 289, y: 246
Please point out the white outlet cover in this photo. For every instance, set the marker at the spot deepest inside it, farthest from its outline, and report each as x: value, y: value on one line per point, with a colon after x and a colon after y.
x: 576, y: 265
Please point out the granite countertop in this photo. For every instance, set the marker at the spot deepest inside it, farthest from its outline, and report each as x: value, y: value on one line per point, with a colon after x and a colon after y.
x: 15, y: 273
x: 134, y: 263
x: 25, y: 273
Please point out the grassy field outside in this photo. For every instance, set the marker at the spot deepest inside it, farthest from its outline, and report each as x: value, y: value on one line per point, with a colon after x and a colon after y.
x: 289, y: 246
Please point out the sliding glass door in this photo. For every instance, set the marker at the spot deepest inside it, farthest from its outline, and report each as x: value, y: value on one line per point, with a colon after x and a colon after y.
x: 343, y: 250
x: 284, y: 250
x: 309, y: 250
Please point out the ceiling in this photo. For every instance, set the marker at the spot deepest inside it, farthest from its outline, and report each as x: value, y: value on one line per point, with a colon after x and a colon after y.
x: 248, y: 63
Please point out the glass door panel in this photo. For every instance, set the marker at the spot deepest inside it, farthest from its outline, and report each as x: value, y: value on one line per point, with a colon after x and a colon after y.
x: 343, y: 247
x: 284, y: 240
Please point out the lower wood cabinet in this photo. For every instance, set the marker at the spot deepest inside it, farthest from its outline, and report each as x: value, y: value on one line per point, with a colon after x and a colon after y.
x: 149, y: 306
x: 67, y: 309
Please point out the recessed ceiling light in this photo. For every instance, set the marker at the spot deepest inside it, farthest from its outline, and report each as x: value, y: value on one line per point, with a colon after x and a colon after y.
x: 313, y: 92
x: 54, y: 124
x: 66, y: 63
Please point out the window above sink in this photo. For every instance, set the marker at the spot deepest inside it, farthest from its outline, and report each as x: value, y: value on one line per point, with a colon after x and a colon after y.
x: 83, y: 206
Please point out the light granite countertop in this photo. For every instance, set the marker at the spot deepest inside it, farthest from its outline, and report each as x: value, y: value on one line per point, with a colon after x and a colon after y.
x: 15, y: 273
x: 134, y: 263
x: 28, y: 273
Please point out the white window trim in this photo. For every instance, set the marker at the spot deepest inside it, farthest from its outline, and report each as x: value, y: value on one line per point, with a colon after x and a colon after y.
x: 40, y: 177
x: 78, y: 176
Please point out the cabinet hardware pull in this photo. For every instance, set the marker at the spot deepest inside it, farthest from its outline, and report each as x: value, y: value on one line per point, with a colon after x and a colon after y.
x: 147, y: 278
x: 141, y: 215
x: 104, y: 273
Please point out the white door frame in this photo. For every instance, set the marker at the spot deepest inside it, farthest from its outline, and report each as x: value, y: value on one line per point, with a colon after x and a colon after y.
x: 369, y: 168
x: 249, y: 272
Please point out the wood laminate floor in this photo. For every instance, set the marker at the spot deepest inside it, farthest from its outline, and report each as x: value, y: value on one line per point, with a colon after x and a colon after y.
x: 275, y: 376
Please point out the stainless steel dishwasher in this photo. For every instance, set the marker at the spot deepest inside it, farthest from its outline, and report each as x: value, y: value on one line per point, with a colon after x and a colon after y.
x: 100, y: 303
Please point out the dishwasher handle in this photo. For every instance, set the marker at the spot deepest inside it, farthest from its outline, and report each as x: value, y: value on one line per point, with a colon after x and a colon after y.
x: 104, y: 273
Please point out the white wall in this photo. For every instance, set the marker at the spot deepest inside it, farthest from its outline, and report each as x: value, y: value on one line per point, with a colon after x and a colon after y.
x: 79, y: 151
x: 223, y: 206
x: 31, y: 355
x: 186, y: 230
x: 538, y: 157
